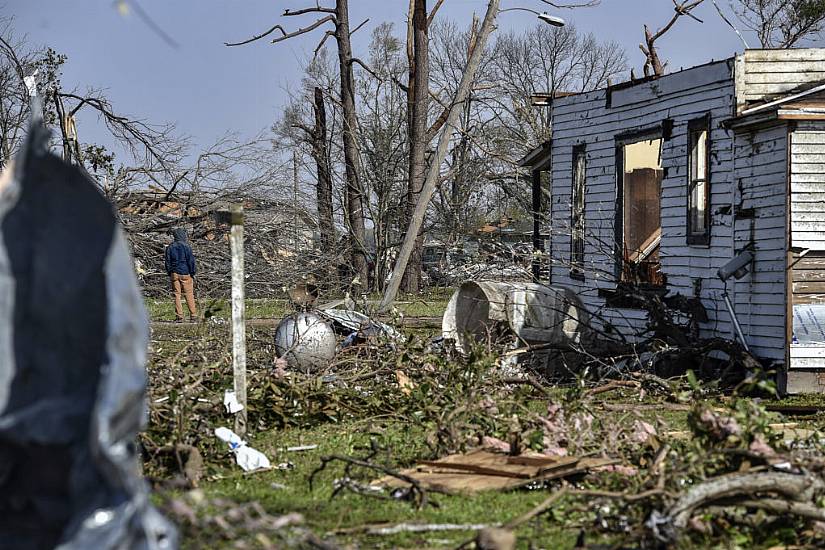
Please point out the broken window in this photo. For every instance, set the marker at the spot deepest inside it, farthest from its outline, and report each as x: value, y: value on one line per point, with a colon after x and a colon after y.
x: 577, y: 210
x: 639, y: 216
x: 698, y: 217
x: 541, y: 243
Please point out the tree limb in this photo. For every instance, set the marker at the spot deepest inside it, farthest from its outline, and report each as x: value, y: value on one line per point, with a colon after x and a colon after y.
x: 257, y: 36
x: 316, y: 9
x: 304, y: 30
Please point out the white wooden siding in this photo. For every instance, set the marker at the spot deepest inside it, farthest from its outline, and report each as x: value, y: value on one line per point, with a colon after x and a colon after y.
x: 761, y: 186
x: 808, y: 186
x: 760, y: 169
x: 763, y: 75
x: 585, y: 118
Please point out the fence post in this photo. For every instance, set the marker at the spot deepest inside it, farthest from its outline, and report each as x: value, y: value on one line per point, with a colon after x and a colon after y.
x: 238, y: 315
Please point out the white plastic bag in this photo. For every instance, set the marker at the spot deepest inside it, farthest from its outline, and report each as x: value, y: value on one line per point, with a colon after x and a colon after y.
x: 248, y: 458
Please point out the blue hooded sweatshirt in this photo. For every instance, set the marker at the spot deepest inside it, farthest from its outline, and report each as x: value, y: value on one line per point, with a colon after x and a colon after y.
x: 179, y: 258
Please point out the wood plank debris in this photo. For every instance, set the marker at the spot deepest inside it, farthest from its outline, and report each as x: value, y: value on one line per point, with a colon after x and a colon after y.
x: 483, y: 470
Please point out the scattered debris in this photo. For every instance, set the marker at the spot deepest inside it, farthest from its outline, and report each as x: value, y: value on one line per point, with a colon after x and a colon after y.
x: 230, y: 401
x: 533, y: 314
x: 248, y: 458
x: 482, y: 470
x: 207, y: 522
x: 301, y: 448
x: 351, y: 321
x: 384, y: 529
x: 306, y: 341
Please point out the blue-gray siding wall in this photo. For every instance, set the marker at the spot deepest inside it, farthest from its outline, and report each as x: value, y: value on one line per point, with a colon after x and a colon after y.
x: 680, y: 97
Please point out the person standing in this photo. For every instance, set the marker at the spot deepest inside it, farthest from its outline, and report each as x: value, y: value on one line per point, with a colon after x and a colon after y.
x: 180, y: 266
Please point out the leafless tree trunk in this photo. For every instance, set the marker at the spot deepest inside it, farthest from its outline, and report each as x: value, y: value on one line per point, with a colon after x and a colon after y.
x: 417, y: 109
x: 326, y: 225
x: 441, y: 151
x: 355, y: 192
x: 354, y: 196
x: 653, y: 63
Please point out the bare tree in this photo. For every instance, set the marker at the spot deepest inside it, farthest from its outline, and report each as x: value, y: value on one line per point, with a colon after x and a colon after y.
x: 548, y: 61
x: 15, y: 62
x: 418, y: 108
x: 154, y: 149
x: 653, y: 64
x: 339, y: 18
x: 324, y: 189
x: 499, y: 123
x: 782, y: 23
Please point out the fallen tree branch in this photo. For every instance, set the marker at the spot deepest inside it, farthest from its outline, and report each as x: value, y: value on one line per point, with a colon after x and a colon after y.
x: 394, y: 529
x: 612, y: 385
x: 537, y: 511
x: 795, y: 488
x: 418, y: 491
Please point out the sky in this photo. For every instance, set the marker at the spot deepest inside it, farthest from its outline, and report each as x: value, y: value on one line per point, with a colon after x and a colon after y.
x: 208, y: 90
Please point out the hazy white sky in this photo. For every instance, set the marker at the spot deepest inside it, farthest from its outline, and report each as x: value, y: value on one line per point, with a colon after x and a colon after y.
x: 207, y: 89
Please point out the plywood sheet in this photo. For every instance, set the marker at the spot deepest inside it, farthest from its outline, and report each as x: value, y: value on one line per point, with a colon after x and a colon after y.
x: 483, y: 470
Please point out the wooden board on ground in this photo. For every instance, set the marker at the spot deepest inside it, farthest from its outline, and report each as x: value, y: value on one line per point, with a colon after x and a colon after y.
x: 482, y: 470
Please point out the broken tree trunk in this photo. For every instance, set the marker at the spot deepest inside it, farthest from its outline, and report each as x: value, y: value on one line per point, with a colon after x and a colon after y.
x: 355, y: 192
x: 653, y: 64
x: 434, y: 171
x: 798, y: 492
x: 417, y: 110
x: 326, y: 224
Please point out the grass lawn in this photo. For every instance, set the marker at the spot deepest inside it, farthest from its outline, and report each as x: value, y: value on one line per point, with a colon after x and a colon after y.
x: 282, y: 492
x: 396, y: 441
x: 429, y: 304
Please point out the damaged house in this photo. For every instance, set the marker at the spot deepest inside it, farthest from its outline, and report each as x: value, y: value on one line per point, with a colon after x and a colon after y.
x: 656, y: 184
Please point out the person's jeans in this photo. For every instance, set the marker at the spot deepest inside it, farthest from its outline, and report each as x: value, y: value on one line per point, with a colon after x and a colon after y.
x: 185, y: 284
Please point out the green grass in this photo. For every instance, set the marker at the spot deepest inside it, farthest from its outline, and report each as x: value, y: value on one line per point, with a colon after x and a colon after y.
x: 401, y: 445
x: 325, y: 515
x: 427, y: 305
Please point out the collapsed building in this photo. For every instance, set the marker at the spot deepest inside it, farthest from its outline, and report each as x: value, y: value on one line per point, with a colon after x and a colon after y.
x: 709, y: 183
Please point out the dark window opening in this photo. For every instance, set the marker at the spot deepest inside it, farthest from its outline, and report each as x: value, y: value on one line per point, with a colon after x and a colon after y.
x: 698, y: 213
x: 541, y: 219
x: 577, y: 223
x: 639, y: 212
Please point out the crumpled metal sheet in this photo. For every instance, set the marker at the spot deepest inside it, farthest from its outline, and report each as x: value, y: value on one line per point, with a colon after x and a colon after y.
x: 107, y: 497
x: 360, y: 322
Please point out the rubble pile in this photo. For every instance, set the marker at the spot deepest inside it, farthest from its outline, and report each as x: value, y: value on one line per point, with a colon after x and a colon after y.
x: 278, y: 250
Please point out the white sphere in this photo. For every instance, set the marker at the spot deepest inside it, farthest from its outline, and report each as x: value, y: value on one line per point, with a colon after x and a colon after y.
x: 306, y: 341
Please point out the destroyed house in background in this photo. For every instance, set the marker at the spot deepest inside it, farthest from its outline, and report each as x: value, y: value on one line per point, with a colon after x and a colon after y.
x: 653, y: 185
x: 276, y: 233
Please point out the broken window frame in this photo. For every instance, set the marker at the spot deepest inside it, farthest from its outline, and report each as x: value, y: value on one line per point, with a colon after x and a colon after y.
x: 578, y: 193
x: 698, y: 236
x: 659, y: 132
